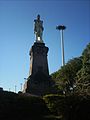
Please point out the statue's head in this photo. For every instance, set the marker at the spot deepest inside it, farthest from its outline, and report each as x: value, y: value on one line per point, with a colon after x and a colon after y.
x: 38, y: 17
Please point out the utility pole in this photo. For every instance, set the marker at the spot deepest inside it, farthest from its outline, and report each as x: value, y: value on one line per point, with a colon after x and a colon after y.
x: 21, y: 86
x: 61, y: 28
x: 15, y: 88
x: 9, y: 89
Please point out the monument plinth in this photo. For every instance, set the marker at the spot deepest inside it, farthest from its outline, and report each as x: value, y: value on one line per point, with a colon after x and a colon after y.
x: 38, y: 59
x: 38, y: 82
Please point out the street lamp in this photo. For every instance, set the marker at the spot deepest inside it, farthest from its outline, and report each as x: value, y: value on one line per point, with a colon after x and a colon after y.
x: 62, y: 28
x: 15, y: 88
x: 21, y: 86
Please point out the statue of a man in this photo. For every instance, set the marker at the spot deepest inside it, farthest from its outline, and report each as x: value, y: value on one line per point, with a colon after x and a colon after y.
x: 38, y: 29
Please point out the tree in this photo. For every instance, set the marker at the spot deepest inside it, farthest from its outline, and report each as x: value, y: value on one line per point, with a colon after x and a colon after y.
x: 65, y: 77
x: 83, y: 75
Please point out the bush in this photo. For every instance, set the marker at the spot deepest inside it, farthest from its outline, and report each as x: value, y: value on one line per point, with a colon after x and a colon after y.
x: 21, y: 106
x: 72, y: 107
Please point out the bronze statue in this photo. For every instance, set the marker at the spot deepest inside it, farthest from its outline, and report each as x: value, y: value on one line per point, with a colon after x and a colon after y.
x: 38, y: 29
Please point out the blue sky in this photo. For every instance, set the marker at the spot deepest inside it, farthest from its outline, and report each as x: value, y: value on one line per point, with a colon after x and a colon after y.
x: 17, y: 35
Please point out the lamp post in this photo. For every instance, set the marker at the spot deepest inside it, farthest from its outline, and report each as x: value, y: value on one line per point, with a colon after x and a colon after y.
x: 62, y: 28
x: 9, y: 89
x: 21, y: 86
x: 15, y: 88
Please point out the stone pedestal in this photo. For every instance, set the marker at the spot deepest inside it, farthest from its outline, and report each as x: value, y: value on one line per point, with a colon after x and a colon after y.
x: 38, y: 82
x: 38, y: 59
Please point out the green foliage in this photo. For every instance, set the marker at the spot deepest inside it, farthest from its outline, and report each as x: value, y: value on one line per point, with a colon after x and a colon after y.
x: 72, y: 107
x: 83, y: 75
x: 76, y: 105
x: 86, y: 55
x: 65, y: 77
x: 21, y: 106
x: 75, y: 73
x: 52, y: 102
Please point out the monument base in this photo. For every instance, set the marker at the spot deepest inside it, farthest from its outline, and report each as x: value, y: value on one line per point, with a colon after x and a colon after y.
x: 39, y: 82
x: 38, y: 85
x: 38, y: 58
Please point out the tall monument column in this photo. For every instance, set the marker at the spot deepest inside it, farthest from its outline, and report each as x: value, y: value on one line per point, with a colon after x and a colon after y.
x: 38, y: 82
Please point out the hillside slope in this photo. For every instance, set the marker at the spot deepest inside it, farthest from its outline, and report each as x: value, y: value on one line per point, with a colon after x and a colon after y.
x: 21, y: 106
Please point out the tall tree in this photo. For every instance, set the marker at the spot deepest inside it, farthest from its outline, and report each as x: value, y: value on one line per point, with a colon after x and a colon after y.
x: 65, y: 77
x: 83, y: 76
